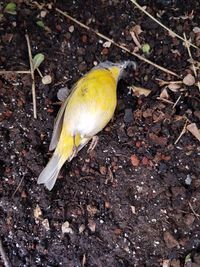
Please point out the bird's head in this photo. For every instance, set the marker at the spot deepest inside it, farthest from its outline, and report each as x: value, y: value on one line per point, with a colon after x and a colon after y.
x: 117, y: 69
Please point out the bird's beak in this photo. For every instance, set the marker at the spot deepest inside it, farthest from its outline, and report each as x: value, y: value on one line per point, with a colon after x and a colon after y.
x: 124, y: 65
x: 128, y: 63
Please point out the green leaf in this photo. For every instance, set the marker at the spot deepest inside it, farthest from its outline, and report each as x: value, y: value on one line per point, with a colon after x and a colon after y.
x: 40, y: 23
x: 188, y: 258
x: 11, y: 8
x: 37, y: 60
x: 1, y: 16
x: 146, y: 48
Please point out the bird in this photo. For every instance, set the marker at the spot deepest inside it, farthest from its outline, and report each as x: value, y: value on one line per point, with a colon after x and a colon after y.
x: 84, y: 113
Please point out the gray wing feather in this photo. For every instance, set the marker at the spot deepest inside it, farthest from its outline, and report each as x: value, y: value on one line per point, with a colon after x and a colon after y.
x: 50, y: 173
x: 59, y: 121
x: 57, y: 127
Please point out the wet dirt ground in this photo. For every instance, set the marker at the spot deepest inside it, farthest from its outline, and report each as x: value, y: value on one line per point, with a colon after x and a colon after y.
x: 134, y: 200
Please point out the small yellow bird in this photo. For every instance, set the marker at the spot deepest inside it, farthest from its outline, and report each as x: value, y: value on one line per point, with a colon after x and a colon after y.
x: 85, y: 112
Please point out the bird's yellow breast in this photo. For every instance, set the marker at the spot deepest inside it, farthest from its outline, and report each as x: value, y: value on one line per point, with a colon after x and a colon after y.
x: 92, y: 103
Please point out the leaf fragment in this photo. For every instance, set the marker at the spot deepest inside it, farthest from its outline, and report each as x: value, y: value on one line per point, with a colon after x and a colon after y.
x: 189, y: 80
x: 140, y: 90
x: 40, y: 23
x: 164, y: 94
x: 45, y: 223
x: 107, y: 44
x: 37, y: 60
x: 137, y: 29
x: 66, y: 229
x: 146, y: 48
x: 192, y: 128
x: 174, y: 87
x: 196, y: 30
x: 11, y: 8
x: 37, y: 212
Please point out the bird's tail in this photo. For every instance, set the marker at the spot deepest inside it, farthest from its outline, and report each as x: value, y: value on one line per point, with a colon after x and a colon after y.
x: 64, y: 151
x: 50, y: 173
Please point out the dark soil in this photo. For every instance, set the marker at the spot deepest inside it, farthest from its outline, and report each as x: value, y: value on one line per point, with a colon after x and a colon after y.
x: 134, y: 200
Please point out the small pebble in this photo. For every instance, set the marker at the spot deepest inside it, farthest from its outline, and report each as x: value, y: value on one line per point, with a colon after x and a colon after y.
x: 128, y: 116
x: 81, y: 51
x: 134, y: 160
x: 71, y: 28
x: 130, y: 132
x: 83, y: 66
x: 84, y: 38
x: 188, y: 180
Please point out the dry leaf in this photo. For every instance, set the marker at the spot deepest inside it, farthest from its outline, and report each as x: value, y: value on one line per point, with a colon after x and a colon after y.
x: 174, y: 87
x: 136, y: 29
x: 81, y: 228
x: 188, y: 16
x: 84, y: 260
x: 158, y: 140
x: 133, y: 209
x: 45, y: 223
x: 135, y: 161
x: 192, y: 128
x: 138, y: 91
x: 66, y: 229
x: 164, y: 94
x: 135, y: 39
x: 175, y: 51
x: 166, y: 263
x: 170, y: 241
x: 43, y: 13
x: 189, y: 80
x: 196, y: 30
x: 37, y: 212
x: 107, y: 44
x: 92, y: 210
x: 92, y: 225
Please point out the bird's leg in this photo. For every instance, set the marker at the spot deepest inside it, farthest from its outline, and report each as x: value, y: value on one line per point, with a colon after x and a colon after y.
x: 74, y: 150
x: 93, y: 143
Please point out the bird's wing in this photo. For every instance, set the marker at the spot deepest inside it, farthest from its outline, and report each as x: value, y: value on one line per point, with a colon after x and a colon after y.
x: 57, y: 127
x: 59, y: 122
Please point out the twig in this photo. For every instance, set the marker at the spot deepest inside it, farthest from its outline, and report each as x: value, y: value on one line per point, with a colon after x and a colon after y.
x: 19, y: 183
x: 165, y: 100
x: 116, y: 44
x: 15, y: 72
x: 197, y: 215
x: 162, y: 82
x: 135, y: 39
x: 110, y: 176
x: 176, y: 101
x: 182, y: 132
x: 32, y: 76
x: 162, y: 25
x: 40, y: 73
x: 3, y: 255
x: 190, y: 55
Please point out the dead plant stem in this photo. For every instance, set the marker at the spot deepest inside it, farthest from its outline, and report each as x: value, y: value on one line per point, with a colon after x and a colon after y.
x: 32, y: 76
x: 116, y: 44
x: 161, y: 24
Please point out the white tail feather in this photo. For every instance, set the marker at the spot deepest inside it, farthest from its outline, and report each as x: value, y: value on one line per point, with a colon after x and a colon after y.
x: 50, y: 173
